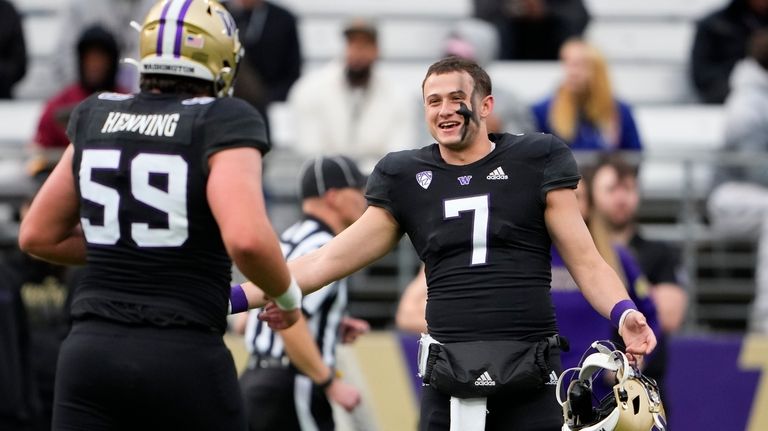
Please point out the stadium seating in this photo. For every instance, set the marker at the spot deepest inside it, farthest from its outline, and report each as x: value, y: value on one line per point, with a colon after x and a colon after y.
x: 651, y: 10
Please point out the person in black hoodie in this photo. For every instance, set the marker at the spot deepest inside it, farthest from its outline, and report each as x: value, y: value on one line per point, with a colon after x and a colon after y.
x: 721, y: 40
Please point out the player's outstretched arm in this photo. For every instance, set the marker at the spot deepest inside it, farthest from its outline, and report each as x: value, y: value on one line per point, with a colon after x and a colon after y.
x: 373, y: 235
x: 236, y: 199
x: 50, y: 230
x: 598, y: 282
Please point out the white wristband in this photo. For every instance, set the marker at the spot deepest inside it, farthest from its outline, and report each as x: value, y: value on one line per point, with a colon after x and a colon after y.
x: 623, y: 317
x: 291, y: 298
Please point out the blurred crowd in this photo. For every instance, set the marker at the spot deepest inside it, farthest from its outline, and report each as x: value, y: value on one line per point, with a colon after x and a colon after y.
x: 349, y: 107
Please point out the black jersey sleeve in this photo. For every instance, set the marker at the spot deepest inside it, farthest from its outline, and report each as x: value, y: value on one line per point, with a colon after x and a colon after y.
x: 380, y: 185
x: 560, y: 169
x: 232, y: 123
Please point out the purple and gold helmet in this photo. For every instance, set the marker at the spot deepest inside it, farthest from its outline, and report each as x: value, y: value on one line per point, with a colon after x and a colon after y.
x: 191, y: 38
x: 634, y: 403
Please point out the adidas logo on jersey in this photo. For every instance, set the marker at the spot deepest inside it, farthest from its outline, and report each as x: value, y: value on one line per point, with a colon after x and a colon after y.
x: 552, y: 379
x: 485, y: 380
x: 497, y: 174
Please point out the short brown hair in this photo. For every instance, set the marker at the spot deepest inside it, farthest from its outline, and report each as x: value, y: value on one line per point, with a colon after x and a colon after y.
x: 455, y: 64
x: 170, y: 84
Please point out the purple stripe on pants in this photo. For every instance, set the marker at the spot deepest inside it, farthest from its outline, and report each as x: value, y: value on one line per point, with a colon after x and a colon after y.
x: 162, y: 27
x: 179, y: 27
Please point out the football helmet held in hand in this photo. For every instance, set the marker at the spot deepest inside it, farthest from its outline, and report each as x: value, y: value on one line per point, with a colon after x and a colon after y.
x: 633, y: 405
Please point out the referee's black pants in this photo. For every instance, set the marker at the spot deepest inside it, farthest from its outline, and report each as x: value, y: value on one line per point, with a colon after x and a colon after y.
x: 113, y: 376
x: 280, y: 399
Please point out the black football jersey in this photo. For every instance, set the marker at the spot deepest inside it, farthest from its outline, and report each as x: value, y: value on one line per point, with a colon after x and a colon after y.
x: 480, y: 230
x: 154, y: 251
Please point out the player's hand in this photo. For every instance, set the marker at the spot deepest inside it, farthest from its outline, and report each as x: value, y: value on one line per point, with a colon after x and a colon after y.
x: 278, y: 319
x: 351, y: 328
x: 343, y: 394
x: 638, y: 337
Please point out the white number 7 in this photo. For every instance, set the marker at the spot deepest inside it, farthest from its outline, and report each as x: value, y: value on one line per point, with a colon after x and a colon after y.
x: 479, y: 204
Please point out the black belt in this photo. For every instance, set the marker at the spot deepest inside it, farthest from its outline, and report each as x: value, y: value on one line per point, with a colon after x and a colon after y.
x: 264, y: 361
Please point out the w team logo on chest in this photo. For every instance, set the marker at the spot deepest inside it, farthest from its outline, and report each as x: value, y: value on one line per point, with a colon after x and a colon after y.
x: 424, y: 178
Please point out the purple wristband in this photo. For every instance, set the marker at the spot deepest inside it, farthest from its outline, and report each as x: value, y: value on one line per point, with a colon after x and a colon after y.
x: 619, y: 309
x: 237, y: 299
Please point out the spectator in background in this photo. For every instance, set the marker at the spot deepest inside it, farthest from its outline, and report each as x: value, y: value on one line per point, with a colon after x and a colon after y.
x: 721, y: 40
x: 113, y: 15
x: 738, y: 204
x: 13, y: 53
x: 97, y: 59
x: 615, y: 199
x: 583, y: 111
x: 533, y: 29
x: 272, y: 61
x: 348, y: 107
x: 475, y: 39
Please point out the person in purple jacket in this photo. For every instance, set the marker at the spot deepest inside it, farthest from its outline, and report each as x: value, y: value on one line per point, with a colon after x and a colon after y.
x: 583, y: 110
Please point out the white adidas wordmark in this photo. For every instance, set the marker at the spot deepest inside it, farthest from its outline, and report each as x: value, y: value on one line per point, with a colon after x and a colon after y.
x: 552, y: 379
x: 497, y: 174
x: 485, y: 380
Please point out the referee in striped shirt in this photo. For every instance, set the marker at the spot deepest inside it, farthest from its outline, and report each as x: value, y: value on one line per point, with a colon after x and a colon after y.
x: 277, y: 397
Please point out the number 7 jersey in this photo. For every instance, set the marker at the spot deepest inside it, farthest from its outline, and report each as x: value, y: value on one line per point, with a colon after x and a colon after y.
x: 480, y: 230
x: 155, y: 253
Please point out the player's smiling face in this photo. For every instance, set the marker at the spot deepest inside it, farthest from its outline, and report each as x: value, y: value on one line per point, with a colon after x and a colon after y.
x: 443, y: 96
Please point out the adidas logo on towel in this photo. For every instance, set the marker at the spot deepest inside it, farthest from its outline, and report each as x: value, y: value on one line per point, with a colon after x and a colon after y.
x: 485, y: 380
x: 497, y: 174
x: 552, y: 379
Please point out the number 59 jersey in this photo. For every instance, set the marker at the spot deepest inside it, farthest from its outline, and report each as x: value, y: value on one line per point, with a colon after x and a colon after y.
x: 480, y: 230
x: 155, y: 253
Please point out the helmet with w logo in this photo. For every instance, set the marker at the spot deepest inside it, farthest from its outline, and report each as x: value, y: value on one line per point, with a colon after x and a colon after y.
x: 193, y: 39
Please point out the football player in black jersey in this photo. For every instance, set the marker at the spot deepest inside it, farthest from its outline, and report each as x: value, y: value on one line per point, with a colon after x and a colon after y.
x: 157, y: 191
x: 482, y: 212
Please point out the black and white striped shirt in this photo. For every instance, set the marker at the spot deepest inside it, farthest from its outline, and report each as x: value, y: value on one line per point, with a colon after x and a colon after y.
x: 323, y: 309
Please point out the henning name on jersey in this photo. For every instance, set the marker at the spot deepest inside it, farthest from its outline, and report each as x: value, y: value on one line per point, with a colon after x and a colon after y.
x: 144, y: 124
